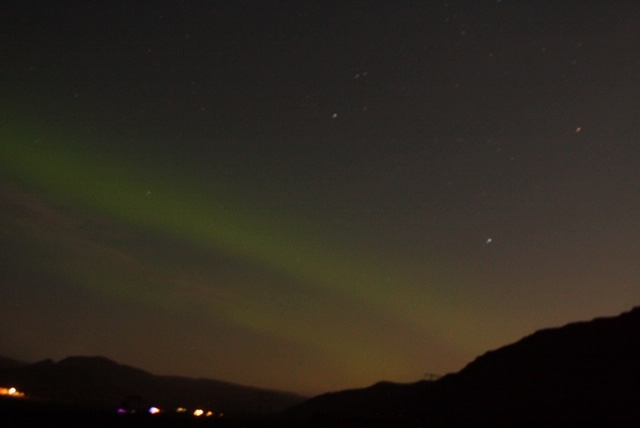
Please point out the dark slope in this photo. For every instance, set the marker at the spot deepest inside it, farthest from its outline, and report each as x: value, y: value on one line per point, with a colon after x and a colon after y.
x: 7, y: 363
x: 100, y: 383
x: 384, y: 401
x: 585, y: 374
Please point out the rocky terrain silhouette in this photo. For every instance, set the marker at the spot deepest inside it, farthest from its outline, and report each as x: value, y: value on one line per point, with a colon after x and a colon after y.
x: 584, y: 374
x: 104, y: 385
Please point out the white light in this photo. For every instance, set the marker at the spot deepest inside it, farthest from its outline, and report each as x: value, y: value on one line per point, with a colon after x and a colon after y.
x: 154, y: 410
x: 12, y: 392
x: 198, y: 412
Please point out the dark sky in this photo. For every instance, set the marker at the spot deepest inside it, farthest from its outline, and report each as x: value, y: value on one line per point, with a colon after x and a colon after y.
x: 313, y: 195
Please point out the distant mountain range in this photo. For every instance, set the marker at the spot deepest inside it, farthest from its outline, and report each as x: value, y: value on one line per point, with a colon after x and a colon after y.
x: 8, y: 363
x: 582, y: 374
x: 102, y: 384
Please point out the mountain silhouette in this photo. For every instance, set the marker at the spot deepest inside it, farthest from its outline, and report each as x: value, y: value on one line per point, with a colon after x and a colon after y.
x: 582, y: 374
x: 102, y: 384
x: 7, y: 363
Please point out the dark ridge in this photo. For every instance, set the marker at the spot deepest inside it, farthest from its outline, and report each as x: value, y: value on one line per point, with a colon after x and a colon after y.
x: 101, y: 384
x: 8, y: 363
x: 581, y: 374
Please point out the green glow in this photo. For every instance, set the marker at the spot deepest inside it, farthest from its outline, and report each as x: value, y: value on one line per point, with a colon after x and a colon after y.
x: 185, y: 210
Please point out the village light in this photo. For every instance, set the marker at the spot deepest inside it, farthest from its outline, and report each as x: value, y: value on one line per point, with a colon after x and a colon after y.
x: 12, y: 392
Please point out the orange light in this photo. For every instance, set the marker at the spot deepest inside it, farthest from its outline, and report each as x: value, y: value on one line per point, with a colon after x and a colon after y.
x: 198, y: 412
x: 12, y: 392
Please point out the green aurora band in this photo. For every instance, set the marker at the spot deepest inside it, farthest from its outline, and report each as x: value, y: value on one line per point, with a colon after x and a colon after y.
x: 183, y: 210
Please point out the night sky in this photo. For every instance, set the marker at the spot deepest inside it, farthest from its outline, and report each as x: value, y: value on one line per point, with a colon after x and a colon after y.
x: 313, y: 195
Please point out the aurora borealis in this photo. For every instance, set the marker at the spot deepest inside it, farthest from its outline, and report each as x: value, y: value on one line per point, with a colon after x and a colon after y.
x: 311, y: 195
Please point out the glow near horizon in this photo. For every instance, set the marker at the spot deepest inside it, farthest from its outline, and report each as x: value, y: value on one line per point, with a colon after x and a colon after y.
x: 113, y: 188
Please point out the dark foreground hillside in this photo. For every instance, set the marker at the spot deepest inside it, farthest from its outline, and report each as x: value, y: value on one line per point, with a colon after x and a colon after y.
x: 583, y: 374
x: 102, y: 385
x: 30, y: 414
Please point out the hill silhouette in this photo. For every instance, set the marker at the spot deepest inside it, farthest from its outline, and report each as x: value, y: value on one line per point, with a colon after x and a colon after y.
x: 7, y: 363
x: 582, y: 374
x: 102, y: 384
